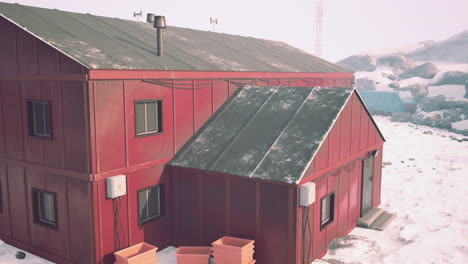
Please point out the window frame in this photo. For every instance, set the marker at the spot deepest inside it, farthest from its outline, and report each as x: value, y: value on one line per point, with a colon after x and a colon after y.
x: 32, y: 119
x: 149, y: 219
x: 36, y: 193
x: 159, y: 108
x: 331, y: 218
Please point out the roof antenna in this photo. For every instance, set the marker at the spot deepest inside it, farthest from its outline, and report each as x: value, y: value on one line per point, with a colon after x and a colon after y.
x: 137, y: 15
x: 213, y: 21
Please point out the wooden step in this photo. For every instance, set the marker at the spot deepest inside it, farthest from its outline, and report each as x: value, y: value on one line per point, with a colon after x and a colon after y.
x: 383, y: 221
x: 371, y: 215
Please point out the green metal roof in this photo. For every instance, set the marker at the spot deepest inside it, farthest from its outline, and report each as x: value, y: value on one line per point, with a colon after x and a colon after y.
x: 111, y: 43
x: 270, y: 133
x: 386, y: 101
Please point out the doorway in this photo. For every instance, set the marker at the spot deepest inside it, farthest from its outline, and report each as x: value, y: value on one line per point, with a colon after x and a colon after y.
x: 367, y: 184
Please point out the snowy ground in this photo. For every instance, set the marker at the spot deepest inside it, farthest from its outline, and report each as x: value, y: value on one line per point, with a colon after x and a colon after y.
x: 425, y: 182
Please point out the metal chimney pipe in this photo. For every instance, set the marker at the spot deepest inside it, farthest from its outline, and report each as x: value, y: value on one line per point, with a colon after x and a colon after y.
x: 160, y: 24
x: 150, y: 18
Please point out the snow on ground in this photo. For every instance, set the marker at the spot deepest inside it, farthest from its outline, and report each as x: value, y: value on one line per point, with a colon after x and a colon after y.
x: 461, y: 125
x: 451, y: 92
x: 425, y: 182
x: 7, y: 256
x: 450, y: 66
x: 413, y: 81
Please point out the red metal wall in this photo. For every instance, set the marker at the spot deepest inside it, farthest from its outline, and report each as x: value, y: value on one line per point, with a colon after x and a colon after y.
x: 210, y: 205
x: 350, y: 139
x: 32, y: 70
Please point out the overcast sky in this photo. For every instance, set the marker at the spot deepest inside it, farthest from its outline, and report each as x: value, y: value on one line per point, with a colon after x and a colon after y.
x: 350, y: 26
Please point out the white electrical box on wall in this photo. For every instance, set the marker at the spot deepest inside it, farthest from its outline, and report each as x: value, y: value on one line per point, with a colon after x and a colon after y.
x: 116, y: 186
x: 307, y: 194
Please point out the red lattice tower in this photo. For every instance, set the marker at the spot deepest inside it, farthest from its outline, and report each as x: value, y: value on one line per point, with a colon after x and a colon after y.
x: 318, y: 29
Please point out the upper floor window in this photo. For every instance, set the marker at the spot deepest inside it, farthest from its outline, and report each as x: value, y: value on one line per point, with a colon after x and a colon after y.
x: 39, y: 119
x: 148, y: 117
x: 44, y: 205
x: 149, y: 204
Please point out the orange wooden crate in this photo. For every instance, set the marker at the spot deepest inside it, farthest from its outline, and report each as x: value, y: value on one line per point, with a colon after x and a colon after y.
x: 142, y: 253
x: 234, y: 244
x: 193, y: 255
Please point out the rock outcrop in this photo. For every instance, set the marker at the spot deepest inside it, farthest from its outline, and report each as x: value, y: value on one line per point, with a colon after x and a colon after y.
x: 358, y: 63
x: 427, y: 70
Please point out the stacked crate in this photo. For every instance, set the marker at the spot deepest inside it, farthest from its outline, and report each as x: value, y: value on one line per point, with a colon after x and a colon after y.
x: 142, y: 253
x: 232, y: 250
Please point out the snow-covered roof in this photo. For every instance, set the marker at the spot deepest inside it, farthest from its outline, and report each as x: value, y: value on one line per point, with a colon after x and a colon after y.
x: 111, y: 43
x: 270, y: 133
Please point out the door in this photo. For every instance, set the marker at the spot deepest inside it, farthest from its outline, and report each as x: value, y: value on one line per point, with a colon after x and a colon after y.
x: 367, y: 184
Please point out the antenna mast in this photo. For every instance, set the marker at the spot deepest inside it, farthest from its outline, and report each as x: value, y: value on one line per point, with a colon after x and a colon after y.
x: 137, y: 15
x: 318, y: 29
x: 213, y: 21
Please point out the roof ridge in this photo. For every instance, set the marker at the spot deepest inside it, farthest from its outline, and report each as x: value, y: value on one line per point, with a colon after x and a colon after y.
x: 350, y: 95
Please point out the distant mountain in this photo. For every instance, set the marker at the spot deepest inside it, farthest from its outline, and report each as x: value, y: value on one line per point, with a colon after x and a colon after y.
x: 454, y: 49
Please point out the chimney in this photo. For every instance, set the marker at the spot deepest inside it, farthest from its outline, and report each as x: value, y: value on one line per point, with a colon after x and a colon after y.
x: 150, y: 18
x: 160, y: 24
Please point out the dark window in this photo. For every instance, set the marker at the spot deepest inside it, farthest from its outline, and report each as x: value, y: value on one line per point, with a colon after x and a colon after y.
x: 148, y: 117
x: 149, y: 204
x: 39, y: 118
x: 44, y: 205
x: 327, y: 210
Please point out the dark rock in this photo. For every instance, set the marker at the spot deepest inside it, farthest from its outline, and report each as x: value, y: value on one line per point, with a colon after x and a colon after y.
x: 427, y: 133
x: 418, y: 91
x: 417, y: 119
x: 358, y: 63
x: 387, y: 163
x: 389, y: 76
x: 394, y: 85
x: 365, y: 84
x: 450, y: 77
x: 452, y: 115
x: 455, y: 104
x: 445, y: 124
x: 429, y: 104
x: 20, y: 255
x: 466, y: 89
x: 400, y: 117
x: 427, y: 70
x: 398, y: 63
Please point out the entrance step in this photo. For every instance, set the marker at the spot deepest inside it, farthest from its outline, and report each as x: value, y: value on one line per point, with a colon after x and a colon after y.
x: 370, y: 217
x: 383, y: 221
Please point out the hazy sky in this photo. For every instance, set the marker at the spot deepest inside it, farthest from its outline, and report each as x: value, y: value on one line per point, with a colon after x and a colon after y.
x: 350, y: 26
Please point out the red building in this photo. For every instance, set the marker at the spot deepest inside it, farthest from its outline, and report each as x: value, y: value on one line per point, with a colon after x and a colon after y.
x: 86, y: 98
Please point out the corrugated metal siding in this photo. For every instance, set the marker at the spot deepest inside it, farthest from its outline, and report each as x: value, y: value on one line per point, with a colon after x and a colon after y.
x: 351, y: 137
x: 111, y: 43
x: 210, y: 205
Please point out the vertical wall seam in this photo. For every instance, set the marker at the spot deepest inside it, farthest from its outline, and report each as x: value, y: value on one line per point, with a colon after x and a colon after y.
x: 125, y: 123
x: 27, y: 205
x: 64, y: 160
x: 68, y: 217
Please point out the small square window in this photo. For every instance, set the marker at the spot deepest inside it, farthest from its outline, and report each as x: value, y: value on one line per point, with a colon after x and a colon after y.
x: 39, y: 119
x: 327, y: 210
x: 148, y: 117
x: 149, y: 204
x: 44, y: 205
